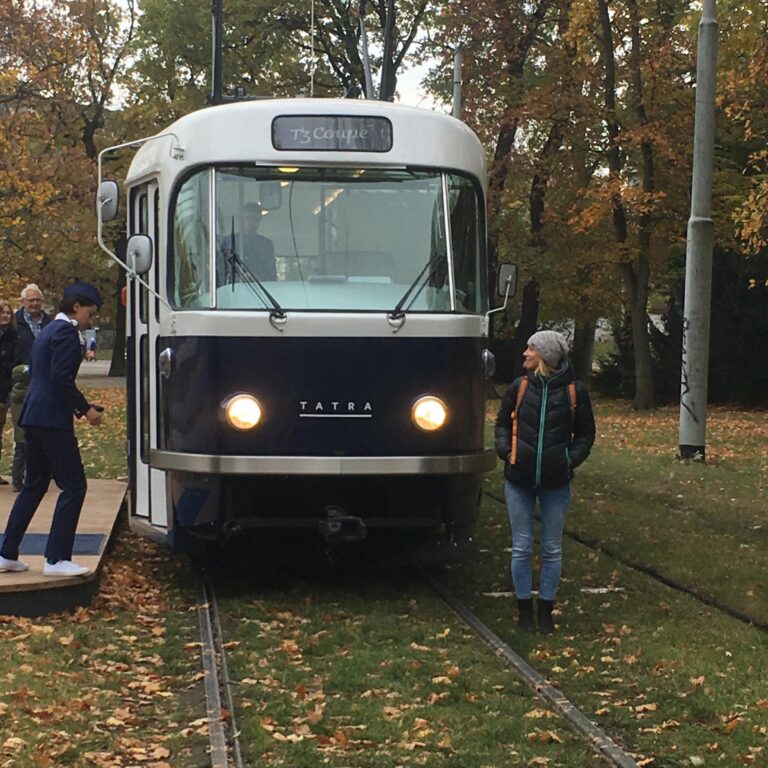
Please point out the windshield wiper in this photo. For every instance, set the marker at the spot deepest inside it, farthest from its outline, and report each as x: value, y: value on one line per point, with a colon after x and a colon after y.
x: 433, y: 265
x: 239, y: 268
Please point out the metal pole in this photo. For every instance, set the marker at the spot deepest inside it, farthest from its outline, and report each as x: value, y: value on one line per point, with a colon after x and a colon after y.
x: 216, y: 96
x: 366, y: 59
x: 384, y: 94
x: 457, y: 62
x: 698, y: 269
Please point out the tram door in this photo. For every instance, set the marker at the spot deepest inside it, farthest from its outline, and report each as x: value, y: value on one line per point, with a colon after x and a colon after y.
x: 147, y: 485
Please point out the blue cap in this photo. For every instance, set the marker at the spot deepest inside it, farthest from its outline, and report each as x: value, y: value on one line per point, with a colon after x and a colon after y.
x: 84, y: 291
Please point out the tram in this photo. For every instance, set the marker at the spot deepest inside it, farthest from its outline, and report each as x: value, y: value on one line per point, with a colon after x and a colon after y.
x: 327, y: 372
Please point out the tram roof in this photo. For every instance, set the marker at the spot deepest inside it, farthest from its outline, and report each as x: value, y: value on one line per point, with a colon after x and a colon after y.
x: 242, y: 132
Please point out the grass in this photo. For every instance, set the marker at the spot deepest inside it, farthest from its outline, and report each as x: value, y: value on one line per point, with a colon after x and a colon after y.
x: 122, y: 676
x: 369, y: 669
x: 125, y: 690
x: 363, y: 668
x: 103, y: 448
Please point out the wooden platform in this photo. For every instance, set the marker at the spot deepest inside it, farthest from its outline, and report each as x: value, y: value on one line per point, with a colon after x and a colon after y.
x: 30, y: 593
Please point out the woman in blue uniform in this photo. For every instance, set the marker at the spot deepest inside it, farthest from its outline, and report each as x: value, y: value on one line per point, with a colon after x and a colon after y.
x: 52, y: 450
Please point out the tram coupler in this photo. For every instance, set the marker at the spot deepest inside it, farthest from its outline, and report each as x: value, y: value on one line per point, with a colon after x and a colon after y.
x: 338, y: 528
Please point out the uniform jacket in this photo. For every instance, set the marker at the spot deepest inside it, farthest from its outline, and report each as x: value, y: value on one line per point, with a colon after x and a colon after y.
x: 53, y: 398
x: 552, y: 440
x: 26, y: 337
x: 8, y: 351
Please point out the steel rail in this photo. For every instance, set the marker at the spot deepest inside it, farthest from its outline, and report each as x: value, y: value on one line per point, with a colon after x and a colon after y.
x: 594, y: 736
x: 226, y: 685
x: 216, y: 681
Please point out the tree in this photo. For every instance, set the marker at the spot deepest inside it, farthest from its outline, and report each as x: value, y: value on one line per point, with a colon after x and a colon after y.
x: 269, y: 49
x: 58, y: 67
x: 580, y: 122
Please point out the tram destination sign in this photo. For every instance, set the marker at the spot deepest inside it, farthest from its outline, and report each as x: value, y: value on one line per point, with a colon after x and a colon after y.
x: 332, y: 133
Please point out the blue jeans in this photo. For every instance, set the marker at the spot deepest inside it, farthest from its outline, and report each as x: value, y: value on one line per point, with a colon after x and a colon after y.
x: 553, y: 505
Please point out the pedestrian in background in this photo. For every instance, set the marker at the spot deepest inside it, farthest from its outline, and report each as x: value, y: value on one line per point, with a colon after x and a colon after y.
x: 52, y: 449
x: 31, y: 318
x: 8, y: 351
x: 19, y: 386
x: 544, y: 430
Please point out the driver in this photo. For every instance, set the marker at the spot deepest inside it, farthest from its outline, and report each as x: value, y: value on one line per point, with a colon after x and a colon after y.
x: 256, y: 252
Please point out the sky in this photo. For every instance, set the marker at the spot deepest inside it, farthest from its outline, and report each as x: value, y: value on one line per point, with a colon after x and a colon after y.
x: 410, y: 91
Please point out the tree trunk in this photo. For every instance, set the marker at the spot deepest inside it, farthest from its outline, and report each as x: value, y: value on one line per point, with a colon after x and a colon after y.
x: 583, y: 351
x: 117, y: 367
x: 526, y: 327
x: 635, y: 279
x: 641, y: 338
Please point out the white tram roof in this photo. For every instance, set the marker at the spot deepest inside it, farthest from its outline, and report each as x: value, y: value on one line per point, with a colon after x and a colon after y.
x: 242, y: 132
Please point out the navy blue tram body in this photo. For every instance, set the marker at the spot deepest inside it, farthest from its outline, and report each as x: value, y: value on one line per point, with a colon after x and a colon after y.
x: 323, y: 396
x: 339, y: 397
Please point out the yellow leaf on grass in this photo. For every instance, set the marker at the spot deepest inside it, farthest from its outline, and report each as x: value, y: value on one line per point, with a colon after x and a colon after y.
x: 14, y: 744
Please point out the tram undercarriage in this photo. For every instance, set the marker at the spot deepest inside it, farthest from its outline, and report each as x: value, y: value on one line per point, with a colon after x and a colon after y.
x: 209, y: 509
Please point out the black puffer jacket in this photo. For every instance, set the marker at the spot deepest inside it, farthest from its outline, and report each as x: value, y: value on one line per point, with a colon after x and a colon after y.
x: 549, y: 444
x: 8, y: 349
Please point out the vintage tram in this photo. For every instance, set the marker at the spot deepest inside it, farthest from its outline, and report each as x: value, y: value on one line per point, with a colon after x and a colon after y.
x: 307, y: 322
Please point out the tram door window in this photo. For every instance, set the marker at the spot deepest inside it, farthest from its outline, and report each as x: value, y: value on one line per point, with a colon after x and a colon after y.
x: 156, y: 248
x: 190, y: 277
x: 469, y: 275
x: 140, y: 225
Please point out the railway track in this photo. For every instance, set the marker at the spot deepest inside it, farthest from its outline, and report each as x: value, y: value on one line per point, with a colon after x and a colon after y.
x: 224, y: 743
x: 223, y: 735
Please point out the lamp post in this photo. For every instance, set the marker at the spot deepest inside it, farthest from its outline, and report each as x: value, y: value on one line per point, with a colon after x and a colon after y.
x: 698, y: 262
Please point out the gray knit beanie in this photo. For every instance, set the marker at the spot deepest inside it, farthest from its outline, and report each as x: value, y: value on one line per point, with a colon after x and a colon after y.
x: 551, y: 346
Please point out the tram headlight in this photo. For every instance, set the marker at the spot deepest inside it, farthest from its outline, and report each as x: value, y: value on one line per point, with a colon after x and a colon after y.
x: 243, y: 411
x: 429, y: 413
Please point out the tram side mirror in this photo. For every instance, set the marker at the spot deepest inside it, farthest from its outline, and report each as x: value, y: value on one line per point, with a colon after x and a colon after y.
x: 108, y: 199
x: 138, y: 254
x: 270, y: 195
x: 507, y: 281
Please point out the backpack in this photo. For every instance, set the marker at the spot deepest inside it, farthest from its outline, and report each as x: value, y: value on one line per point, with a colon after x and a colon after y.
x: 520, y: 392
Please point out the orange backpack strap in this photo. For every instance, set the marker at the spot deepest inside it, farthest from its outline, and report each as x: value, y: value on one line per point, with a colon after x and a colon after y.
x: 520, y: 392
x: 572, y: 400
x: 572, y: 396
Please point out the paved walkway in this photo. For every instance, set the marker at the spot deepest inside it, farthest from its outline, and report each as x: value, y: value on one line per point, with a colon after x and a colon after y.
x: 96, y: 374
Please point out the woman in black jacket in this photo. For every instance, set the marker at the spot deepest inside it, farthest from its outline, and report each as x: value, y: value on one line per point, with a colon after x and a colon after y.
x: 8, y: 346
x: 544, y: 430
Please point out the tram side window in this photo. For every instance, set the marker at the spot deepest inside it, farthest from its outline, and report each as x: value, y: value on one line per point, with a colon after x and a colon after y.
x: 191, y: 243
x: 465, y: 239
x: 140, y: 225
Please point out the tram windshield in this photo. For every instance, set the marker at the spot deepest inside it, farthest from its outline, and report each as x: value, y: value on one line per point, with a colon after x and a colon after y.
x: 327, y: 239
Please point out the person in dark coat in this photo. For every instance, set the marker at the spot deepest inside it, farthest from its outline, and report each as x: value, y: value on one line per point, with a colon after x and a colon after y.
x: 544, y: 430
x: 8, y: 348
x: 31, y: 318
x: 19, y: 387
x: 52, y: 450
x: 254, y: 252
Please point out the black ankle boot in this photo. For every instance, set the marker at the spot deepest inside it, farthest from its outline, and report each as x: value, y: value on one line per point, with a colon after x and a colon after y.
x: 525, y: 614
x: 544, y: 616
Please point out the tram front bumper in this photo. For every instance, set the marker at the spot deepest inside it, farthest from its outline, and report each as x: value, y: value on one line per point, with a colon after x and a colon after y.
x: 215, y: 464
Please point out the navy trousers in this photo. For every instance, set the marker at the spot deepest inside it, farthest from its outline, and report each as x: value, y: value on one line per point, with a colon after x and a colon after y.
x: 51, y: 453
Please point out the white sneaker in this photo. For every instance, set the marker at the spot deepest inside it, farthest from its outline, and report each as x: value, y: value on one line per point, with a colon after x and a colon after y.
x: 12, y: 565
x: 65, y: 568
